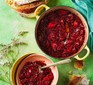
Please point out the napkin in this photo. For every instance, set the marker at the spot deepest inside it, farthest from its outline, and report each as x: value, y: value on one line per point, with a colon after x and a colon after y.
x: 86, y: 8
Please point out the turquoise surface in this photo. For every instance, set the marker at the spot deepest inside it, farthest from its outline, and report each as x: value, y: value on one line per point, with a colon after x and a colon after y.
x: 86, y: 8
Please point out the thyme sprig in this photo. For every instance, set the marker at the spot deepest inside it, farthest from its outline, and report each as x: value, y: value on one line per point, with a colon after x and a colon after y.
x: 8, y: 55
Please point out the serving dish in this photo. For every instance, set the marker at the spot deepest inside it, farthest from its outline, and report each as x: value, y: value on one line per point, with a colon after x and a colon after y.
x: 19, y: 64
x: 25, y: 8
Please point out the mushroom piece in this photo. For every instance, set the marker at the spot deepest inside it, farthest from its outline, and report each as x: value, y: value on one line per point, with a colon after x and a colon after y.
x: 79, y: 64
x: 79, y: 80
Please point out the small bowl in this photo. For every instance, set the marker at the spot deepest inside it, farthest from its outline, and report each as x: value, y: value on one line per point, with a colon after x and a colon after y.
x: 31, y: 58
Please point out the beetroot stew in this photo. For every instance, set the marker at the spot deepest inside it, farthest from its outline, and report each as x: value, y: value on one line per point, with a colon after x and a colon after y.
x: 31, y: 75
x: 60, y: 33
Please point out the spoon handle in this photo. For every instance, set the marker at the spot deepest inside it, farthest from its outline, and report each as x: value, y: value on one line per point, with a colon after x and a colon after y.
x: 58, y: 63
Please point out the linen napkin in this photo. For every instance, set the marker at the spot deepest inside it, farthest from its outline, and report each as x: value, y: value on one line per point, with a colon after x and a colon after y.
x: 86, y: 8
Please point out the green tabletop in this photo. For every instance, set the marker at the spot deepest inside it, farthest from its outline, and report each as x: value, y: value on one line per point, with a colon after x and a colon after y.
x: 11, y: 22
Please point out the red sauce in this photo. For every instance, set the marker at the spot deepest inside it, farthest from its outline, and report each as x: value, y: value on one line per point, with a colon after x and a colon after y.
x: 30, y: 74
x: 60, y: 33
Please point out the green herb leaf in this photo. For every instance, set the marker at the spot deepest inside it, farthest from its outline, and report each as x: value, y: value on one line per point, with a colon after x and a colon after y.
x: 10, y: 51
x: 2, y: 45
x: 23, y: 33
x: 20, y: 43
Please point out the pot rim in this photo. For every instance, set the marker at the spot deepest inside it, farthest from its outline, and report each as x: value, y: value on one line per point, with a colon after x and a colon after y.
x: 74, y: 11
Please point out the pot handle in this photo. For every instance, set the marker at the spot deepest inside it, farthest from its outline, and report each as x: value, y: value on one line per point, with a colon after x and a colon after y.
x: 39, y: 9
x: 88, y: 51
